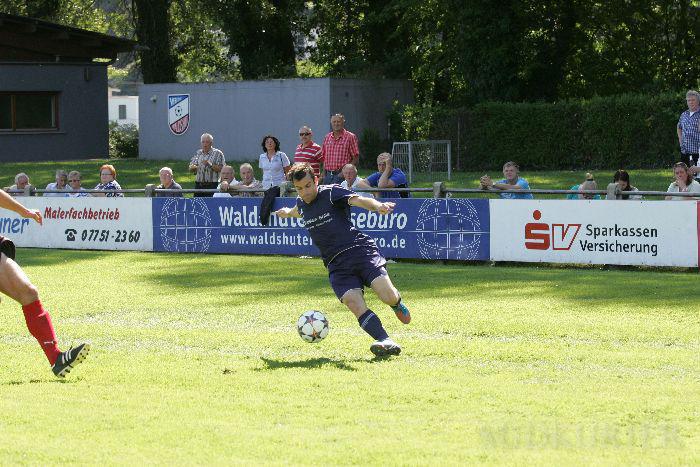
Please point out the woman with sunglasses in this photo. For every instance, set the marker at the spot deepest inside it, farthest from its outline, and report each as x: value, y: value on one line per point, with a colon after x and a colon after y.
x: 108, y: 176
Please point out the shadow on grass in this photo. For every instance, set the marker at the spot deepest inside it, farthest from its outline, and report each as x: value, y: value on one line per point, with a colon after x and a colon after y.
x: 271, y: 364
x: 38, y: 381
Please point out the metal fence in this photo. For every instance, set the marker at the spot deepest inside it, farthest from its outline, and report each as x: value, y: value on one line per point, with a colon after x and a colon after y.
x: 433, y: 158
x: 438, y: 190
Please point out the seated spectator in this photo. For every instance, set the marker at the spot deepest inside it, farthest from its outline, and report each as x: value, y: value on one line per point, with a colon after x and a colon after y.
x: 512, y: 181
x: 351, y: 180
x: 386, y: 177
x: 621, y: 187
x: 248, y: 181
x: 683, y: 183
x: 227, y: 179
x: 108, y: 181
x: 588, y: 184
x: 167, y: 182
x: 21, y: 183
x: 75, y: 187
x: 59, y: 184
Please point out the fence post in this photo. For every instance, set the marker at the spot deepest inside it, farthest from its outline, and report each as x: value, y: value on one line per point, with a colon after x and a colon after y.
x: 438, y: 190
x: 150, y: 190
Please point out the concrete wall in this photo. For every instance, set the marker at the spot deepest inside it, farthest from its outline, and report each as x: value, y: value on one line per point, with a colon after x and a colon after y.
x: 239, y: 114
x: 82, y: 112
x: 132, y: 109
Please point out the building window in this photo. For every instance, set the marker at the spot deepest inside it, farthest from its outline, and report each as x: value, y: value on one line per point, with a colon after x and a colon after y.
x: 28, y: 111
x: 122, y: 112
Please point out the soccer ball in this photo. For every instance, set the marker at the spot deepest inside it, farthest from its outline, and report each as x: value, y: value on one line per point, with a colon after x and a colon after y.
x: 313, y: 326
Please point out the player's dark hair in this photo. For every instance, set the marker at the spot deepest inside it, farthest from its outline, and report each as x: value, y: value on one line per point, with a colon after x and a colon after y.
x: 277, y: 143
x: 300, y: 170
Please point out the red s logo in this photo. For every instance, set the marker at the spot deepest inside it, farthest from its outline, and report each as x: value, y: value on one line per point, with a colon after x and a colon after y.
x: 537, y: 234
x: 540, y: 236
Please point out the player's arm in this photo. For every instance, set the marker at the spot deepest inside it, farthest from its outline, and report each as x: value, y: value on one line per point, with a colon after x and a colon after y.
x: 8, y: 202
x: 288, y: 212
x: 371, y: 204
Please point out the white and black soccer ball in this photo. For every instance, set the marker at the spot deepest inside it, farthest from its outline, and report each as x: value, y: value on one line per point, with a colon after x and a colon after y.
x: 313, y: 326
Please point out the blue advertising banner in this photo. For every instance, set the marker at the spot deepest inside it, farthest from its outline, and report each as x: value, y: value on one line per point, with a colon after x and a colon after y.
x: 455, y: 229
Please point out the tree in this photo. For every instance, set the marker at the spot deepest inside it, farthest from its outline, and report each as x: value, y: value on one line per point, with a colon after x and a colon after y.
x: 153, y: 32
x: 261, y: 34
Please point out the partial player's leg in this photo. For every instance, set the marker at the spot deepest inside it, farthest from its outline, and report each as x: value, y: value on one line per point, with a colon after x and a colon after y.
x: 387, y: 293
x: 15, y: 284
x: 370, y: 323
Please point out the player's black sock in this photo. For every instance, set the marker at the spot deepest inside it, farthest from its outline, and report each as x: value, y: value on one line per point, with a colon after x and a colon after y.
x: 372, y: 325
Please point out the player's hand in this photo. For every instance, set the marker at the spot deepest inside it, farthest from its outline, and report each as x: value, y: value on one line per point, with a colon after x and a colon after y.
x: 283, y: 212
x: 385, y: 208
x: 33, y: 214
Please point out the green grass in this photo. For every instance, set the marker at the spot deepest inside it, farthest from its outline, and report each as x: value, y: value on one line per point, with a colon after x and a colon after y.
x: 196, y: 361
x: 137, y: 173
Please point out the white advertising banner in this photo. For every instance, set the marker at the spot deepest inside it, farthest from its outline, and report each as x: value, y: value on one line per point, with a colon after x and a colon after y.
x: 83, y: 223
x: 656, y: 233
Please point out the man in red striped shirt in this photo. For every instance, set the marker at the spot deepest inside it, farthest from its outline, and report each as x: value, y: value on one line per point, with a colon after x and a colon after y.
x: 339, y: 148
x: 308, y: 151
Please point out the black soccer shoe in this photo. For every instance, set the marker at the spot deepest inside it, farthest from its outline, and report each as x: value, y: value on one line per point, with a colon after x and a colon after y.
x: 68, y: 359
x: 385, y: 348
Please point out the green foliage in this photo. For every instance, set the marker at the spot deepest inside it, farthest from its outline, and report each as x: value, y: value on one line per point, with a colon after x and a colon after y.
x: 123, y: 140
x: 371, y: 145
x: 261, y: 34
x: 630, y: 131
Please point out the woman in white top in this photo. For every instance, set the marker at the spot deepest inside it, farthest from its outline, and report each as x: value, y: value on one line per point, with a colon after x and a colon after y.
x: 684, y: 183
x: 273, y: 162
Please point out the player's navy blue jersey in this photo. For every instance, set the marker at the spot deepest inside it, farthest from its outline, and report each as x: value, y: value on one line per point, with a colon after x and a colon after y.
x: 328, y: 220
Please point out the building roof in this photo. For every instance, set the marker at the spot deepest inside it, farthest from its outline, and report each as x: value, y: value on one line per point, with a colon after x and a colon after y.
x: 25, y: 39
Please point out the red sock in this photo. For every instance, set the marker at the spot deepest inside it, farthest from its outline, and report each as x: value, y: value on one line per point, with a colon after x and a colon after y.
x: 39, y: 324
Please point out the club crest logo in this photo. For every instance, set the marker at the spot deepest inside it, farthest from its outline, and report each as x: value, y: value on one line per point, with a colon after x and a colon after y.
x: 178, y: 113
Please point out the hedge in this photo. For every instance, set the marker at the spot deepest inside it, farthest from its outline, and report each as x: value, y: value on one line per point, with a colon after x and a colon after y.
x: 630, y: 131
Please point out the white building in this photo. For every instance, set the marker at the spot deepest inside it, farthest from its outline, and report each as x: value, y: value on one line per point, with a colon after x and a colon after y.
x: 123, y: 109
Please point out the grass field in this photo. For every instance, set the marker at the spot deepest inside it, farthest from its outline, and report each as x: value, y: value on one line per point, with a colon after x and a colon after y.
x: 196, y: 361
x: 136, y: 173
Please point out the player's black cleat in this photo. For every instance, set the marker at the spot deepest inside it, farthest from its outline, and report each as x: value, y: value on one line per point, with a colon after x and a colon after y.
x: 68, y: 359
x: 385, y: 348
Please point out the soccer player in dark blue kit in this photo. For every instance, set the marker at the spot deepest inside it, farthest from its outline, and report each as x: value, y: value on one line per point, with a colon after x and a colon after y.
x: 352, y: 258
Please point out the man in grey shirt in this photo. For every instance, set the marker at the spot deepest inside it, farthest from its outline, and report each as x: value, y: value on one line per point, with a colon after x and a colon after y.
x: 207, y: 163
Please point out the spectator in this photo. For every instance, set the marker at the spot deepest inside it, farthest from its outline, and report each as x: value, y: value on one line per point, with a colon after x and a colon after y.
x: 273, y: 162
x: 688, y: 130
x: 386, y: 177
x: 683, y: 183
x: 588, y: 184
x: 308, y: 151
x: 75, y: 187
x: 512, y: 181
x: 167, y: 182
x: 59, y: 184
x: 621, y: 180
x: 248, y: 181
x: 207, y: 163
x: 21, y: 183
x: 339, y: 148
x: 108, y: 181
x: 227, y: 179
x: 352, y: 180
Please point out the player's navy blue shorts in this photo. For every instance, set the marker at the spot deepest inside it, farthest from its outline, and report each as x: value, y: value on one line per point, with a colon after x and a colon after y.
x: 355, y: 268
